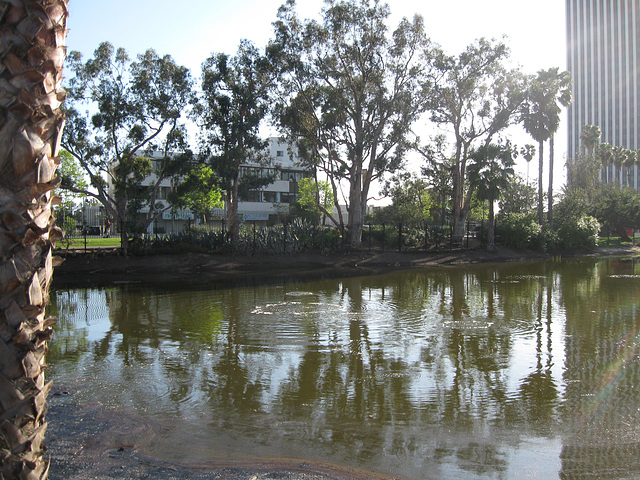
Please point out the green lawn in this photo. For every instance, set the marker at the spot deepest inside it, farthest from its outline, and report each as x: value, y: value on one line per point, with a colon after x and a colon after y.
x: 91, y: 242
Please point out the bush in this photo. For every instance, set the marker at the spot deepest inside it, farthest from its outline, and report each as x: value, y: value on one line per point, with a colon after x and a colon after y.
x: 580, y: 233
x: 520, y: 230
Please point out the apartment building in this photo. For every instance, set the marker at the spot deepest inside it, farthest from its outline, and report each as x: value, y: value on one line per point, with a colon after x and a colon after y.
x: 265, y: 206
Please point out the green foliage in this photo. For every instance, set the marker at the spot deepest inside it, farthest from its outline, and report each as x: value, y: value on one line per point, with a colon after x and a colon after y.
x: 233, y: 103
x: 314, y: 198
x: 198, y: 191
x: 297, y: 236
x: 573, y: 204
x: 137, y: 108
x: 579, y: 233
x: 69, y: 228
x: 346, y: 74
x: 617, y: 208
x: 517, y: 197
x: 412, y: 200
x: 72, y: 177
x: 540, y: 117
x: 520, y: 230
x: 547, y: 92
x: 474, y: 97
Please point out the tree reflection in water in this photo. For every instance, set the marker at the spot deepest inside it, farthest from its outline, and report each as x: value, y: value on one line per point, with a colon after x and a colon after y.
x: 461, y: 372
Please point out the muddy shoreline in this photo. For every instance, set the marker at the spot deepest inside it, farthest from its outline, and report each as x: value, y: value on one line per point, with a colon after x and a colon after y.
x: 104, y: 269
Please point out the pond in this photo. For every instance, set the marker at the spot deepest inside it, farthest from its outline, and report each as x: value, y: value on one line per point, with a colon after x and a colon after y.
x: 514, y: 370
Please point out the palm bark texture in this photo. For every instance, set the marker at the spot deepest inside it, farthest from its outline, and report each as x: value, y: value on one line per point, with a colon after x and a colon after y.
x: 32, y: 53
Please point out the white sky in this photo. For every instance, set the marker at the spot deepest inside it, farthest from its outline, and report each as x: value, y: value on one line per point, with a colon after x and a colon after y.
x: 191, y: 30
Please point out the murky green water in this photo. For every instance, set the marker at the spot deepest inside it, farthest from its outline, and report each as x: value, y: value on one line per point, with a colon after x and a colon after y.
x: 490, y: 371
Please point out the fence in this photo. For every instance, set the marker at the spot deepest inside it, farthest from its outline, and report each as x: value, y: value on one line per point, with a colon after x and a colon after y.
x: 298, y: 236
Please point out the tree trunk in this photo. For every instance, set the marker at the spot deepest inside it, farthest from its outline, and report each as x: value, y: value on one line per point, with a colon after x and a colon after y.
x: 459, y: 215
x: 540, y: 192
x: 121, y: 210
x: 550, y: 199
x: 491, y: 233
x: 31, y: 55
x: 356, y: 207
x: 233, y: 223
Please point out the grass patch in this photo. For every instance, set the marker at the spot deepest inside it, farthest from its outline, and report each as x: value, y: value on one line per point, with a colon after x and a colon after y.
x: 91, y: 242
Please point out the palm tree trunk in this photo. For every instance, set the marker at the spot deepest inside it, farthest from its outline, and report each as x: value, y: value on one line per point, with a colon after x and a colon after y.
x: 550, y: 199
x: 540, y: 192
x: 31, y: 56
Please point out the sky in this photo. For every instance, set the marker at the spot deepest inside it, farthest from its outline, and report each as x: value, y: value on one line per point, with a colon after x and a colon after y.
x: 191, y: 30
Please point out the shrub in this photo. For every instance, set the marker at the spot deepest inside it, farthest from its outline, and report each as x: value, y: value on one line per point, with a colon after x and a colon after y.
x: 579, y: 233
x: 522, y: 231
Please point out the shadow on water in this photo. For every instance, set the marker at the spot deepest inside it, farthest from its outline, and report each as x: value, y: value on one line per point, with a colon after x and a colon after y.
x: 477, y: 371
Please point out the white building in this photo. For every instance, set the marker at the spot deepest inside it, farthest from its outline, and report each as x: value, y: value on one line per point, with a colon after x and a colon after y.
x: 266, y: 206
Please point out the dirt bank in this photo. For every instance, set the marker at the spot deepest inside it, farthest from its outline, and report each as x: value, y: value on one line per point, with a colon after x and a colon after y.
x: 94, y: 268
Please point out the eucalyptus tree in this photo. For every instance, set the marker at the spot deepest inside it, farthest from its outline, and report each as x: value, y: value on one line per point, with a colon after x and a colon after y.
x: 32, y: 53
x: 540, y: 115
x: 349, y: 95
x: 490, y: 172
x: 474, y: 97
x: 233, y: 104
x: 121, y: 113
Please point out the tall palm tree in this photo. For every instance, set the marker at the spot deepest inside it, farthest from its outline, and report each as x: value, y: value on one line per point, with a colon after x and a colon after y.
x: 31, y: 58
x: 548, y: 91
x: 619, y: 159
x: 527, y: 152
x: 490, y: 172
x: 604, y: 151
x: 629, y: 163
x: 590, y: 135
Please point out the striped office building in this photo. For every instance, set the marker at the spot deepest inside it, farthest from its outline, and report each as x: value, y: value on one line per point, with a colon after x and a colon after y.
x: 603, y: 56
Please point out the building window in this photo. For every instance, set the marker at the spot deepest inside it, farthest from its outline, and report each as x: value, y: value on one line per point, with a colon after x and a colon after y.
x: 290, y: 176
x: 280, y: 153
x: 269, y: 197
x: 251, y: 196
x: 287, y: 198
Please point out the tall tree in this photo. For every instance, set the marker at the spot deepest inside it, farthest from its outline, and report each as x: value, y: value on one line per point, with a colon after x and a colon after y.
x: 490, y: 172
x: 137, y: 111
x: 629, y: 163
x: 350, y: 94
x: 620, y: 155
x: 540, y: 115
x: 32, y: 53
x: 604, y: 152
x: 583, y: 169
x: 233, y: 104
x: 590, y: 136
x: 528, y: 152
x: 474, y: 97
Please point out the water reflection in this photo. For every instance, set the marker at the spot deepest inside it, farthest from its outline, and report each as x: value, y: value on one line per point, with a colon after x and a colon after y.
x: 462, y: 372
